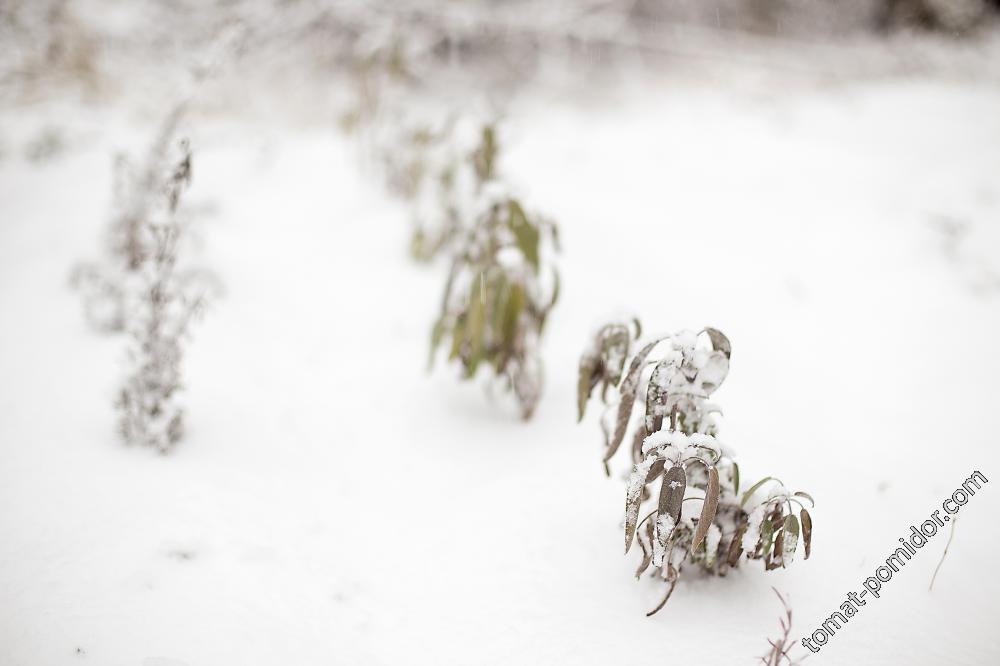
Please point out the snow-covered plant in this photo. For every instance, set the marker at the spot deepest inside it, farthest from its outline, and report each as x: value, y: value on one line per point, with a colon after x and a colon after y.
x: 499, y: 291
x: 140, y: 192
x: 159, y: 307
x: 674, y: 442
x: 140, y: 289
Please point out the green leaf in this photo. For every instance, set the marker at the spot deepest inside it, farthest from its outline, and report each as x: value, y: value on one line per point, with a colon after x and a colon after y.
x: 512, y: 315
x: 526, y: 234
x: 474, y: 332
x: 457, y: 336
x: 736, y: 479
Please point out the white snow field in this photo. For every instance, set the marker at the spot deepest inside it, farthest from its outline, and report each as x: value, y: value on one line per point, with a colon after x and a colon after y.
x: 333, y: 503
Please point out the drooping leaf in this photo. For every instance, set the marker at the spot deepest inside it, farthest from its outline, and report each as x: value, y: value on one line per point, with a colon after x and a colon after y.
x: 708, y: 508
x: 614, y: 342
x: 807, y: 531
x: 736, y: 546
x: 647, y: 554
x: 585, y: 383
x: 457, y: 337
x: 637, y: 439
x: 526, y: 235
x: 736, y: 479
x: 719, y: 341
x: 766, y: 536
x: 713, y: 373
x: 627, y: 389
x: 656, y: 470
x: 633, y: 498
x: 476, y: 327
x: 656, y: 395
x: 800, y: 493
x: 790, y: 531
x: 672, y: 493
x: 750, y: 491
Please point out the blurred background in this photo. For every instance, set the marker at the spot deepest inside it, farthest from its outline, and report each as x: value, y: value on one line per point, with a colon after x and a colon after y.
x: 819, y: 180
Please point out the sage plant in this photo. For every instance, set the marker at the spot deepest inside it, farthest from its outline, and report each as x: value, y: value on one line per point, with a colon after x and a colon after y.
x: 699, y: 518
x: 500, y: 288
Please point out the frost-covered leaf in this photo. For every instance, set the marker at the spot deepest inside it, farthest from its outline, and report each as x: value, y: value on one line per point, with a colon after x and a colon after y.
x: 752, y: 533
x: 656, y: 470
x: 656, y: 394
x: 633, y: 497
x: 719, y: 341
x: 628, y: 387
x: 614, y: 341
x: 672, y: 493
x: 807, y: 530
x: 708, y: 508
x: 790, y: 531
x: 713, y: 373
x: 665, y: 524
x: 712, y: 541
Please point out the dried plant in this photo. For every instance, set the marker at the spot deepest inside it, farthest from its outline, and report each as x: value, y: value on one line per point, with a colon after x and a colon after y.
x: 778, y: 654
x: 500, y: 288
x: 160, y: 305
x: 674, y: 441
x: 140, y: 192
x: 140, y: 289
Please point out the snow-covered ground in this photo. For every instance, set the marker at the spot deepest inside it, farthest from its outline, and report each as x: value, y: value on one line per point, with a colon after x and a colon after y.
x: 334, y: 504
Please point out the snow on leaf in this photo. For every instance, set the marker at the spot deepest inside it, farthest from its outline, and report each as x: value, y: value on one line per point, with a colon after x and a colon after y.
x: 628, y: 387
x: 790, y: 530
x: 664, y: 528
x: 672, y: 492
x: 752, y: 534
x: 712, y: 540
x: 719, y: 341
x: 633, y: 497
